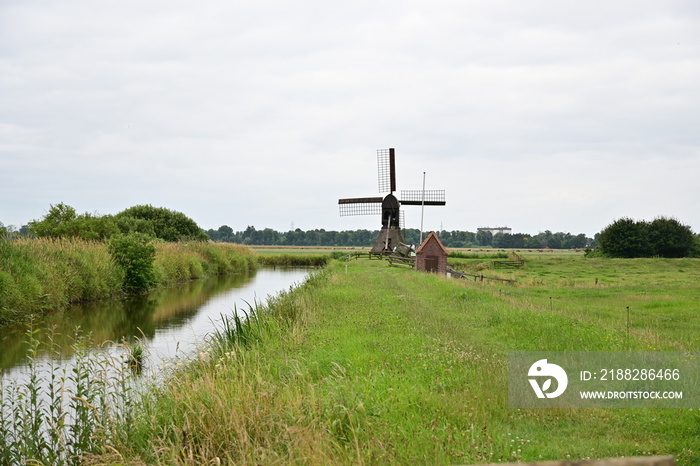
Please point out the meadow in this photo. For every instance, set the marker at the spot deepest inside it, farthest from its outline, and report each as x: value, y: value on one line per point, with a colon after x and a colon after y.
x: 368, y: 364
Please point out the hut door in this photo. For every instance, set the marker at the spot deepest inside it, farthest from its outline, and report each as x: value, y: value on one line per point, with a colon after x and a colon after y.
x: 431, y: 263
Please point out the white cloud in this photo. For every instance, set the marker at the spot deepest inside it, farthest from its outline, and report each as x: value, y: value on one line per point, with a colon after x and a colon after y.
x: 540, y: 115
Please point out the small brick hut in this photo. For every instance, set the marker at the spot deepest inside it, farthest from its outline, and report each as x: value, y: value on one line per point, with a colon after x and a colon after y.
x: 431, y: 256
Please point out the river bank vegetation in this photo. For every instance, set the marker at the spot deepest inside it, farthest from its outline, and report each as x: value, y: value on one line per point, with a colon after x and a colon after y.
x: 368, y: 364
x: 43, y: 274
x: 66, y: 257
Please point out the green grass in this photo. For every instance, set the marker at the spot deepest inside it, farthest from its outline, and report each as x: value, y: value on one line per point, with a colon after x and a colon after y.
x: 661, y: 295
x: 369, y: 364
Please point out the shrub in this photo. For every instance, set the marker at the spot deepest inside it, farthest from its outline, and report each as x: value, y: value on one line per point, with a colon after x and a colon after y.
x: 166, y: 224
x: 135, y: 254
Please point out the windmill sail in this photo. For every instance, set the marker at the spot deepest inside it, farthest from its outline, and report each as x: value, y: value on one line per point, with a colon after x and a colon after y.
x: 420, y: 197
x: 360, y: 206
x: 387, y: 170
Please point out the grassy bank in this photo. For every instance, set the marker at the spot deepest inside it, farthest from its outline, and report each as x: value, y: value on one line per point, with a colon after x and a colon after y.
x: 369, y: 364
x: 37, y: 275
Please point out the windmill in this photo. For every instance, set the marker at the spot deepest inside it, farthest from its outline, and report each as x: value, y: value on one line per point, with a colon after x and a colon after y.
x: 389, y: 207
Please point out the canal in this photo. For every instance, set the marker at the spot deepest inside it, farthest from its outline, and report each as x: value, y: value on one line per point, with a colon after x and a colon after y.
x: 169, y: 323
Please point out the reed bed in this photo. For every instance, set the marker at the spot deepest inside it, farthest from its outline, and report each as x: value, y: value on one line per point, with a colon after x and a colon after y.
x: 59, y: 416
x: 39, y: 275
x: 176, y: 262
x: 295, y: 260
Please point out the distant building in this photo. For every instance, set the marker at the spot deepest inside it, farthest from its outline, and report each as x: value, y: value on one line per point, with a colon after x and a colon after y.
x: 495, y: 230
x: 431, y: 256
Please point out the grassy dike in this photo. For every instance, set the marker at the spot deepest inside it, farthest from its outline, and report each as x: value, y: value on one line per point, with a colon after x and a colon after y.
x: 376, y: 365
x: 38, y: 275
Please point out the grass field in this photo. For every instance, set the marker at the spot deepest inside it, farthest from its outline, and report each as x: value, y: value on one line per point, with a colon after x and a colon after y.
x: 367, y: 364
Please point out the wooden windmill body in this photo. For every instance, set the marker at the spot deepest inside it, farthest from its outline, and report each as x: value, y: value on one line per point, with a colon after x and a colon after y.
x: 389, y: 206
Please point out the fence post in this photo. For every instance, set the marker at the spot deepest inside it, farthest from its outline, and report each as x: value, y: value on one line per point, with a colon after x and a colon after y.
x: 628, y: 327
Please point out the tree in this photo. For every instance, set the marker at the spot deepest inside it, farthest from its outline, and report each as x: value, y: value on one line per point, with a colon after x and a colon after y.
x: 663, y: 237
x: 63, y: 221
x: 225, y: 231
x: 626, y: 238
x: 576, y: 242
x: 58, y: 222
x: 484, y: 238
x: 670, y: 238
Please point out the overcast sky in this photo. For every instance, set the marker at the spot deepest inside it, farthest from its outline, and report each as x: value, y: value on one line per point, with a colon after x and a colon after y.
x: 537, y: 115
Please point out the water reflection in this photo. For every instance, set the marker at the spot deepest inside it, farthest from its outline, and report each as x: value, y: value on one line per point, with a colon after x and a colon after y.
x: 168, y: 320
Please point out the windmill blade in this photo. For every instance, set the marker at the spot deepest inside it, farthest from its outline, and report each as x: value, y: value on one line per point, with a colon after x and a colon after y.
x: 360, y: 206
x: 387, y: 170
x: 420, y: 197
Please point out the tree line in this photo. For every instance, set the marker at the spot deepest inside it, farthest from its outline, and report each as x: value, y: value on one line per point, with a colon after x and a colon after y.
x: 363, y: 238
x: 662, y: 237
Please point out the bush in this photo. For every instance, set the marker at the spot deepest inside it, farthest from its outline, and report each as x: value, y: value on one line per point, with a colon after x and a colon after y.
x: 135, y: 254
x: 62, y: 221
x: 166, y: 224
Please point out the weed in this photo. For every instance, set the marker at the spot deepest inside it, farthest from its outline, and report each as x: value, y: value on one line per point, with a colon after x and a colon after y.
x: 134, y: 357
x: 236, y: 330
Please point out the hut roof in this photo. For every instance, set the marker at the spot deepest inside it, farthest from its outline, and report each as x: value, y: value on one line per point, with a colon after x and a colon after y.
x: 432, y: 236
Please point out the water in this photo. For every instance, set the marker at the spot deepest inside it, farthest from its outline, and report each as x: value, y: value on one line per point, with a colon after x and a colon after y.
x: 170, y: 323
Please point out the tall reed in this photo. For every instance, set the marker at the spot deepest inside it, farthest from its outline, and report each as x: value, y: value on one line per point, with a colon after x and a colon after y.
x: 57, y: 416
x: 43, y: 274
x: 48, y: 273
x: 295, y: 260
